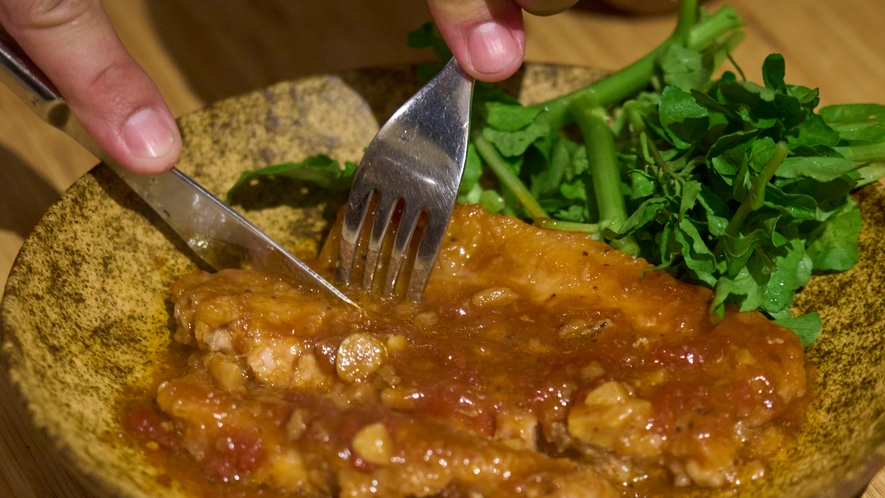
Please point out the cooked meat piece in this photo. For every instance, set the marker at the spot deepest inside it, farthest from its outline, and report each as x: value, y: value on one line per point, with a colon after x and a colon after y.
x: 539, y: 363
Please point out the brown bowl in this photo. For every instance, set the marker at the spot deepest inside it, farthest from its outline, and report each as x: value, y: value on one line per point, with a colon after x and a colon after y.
x: 86, y: 312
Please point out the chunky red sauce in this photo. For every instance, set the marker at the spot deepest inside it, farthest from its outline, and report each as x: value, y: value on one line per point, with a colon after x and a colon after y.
x: 539, y: 363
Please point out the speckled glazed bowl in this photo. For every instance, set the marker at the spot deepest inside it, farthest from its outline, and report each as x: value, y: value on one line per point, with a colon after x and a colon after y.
x: 87, y: 309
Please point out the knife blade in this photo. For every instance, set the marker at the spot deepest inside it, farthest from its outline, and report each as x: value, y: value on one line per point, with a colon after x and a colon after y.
x: 216, y: 233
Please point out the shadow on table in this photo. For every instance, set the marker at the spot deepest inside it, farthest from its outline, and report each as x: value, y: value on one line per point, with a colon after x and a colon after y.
x: 629, y: 7
x: 229, y: 47
x: 35, y: 456
x: 24, y: 195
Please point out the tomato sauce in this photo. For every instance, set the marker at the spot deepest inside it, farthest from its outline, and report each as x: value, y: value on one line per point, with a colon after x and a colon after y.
x: 538, y: 363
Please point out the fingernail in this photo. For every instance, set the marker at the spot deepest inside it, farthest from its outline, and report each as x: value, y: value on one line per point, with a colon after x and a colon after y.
x: 149, y: 134
x: 492, y: 48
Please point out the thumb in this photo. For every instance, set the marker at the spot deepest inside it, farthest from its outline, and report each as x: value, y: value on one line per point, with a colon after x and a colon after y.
x: 486, y: 37
x: 74, y: 43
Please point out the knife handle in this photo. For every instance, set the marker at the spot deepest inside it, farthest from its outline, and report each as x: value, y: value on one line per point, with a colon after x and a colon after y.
x: 31, y: 84
x: 35, y: 89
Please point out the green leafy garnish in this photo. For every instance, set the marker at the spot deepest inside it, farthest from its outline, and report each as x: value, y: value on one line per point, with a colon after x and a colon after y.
x: 320, y: 169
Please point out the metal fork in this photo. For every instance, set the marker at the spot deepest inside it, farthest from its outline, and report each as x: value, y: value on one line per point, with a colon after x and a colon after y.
x: 416, y: 160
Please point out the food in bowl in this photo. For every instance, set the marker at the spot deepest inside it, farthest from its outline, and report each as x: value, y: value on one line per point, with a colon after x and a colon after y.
x: 539, y: 363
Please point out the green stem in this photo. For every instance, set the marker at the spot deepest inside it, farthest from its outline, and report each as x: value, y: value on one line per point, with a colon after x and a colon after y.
x: 606, y: 91
x: 637, y: 75
x: 688, y: 15
x: 590, y: 229
x: 755, y: 197
x: 507, y: 177
x: 659, y: 160
x: 635, y: 117
x: 602, y: 155
x: 707, y: 31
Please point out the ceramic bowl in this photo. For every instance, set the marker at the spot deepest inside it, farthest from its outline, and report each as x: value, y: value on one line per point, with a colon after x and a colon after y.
x: 86, y: 313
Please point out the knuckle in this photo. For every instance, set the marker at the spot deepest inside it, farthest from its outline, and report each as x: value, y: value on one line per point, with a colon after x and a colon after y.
x: 46, y: 14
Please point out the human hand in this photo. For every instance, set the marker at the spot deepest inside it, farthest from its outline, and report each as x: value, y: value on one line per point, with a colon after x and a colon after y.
x: 487, y: 37
x: 74, y: 43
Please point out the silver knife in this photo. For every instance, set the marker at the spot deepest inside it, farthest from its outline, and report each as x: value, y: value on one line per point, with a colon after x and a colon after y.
x: 215, y: 232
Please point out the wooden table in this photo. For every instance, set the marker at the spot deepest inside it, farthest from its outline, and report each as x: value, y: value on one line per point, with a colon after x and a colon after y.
x: 200, y: 54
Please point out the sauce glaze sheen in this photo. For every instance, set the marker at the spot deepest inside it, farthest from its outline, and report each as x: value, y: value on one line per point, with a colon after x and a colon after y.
x: 539, y: 363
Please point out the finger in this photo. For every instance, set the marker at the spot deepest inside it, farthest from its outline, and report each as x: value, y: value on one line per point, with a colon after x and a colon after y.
x: 487, y: 37
x: 74, y: 43
x: 546, y: 7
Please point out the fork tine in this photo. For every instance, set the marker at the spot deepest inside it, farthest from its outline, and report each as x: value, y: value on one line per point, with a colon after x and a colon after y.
x: 354, y: 217
x: 404, y: 232
x: 383, y: 213
x: 417, y: 156
x: 431, y: 240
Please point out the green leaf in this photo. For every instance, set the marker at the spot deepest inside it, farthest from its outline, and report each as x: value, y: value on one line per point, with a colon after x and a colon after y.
x: 793, y: 271
x: 830, y: 196
x: 685, y: 68
x: 761, y: 151
x: 807, y: 327
x: 763, y: 107
x: 667, y: 247
x: 856, y: 122
x: 472, y: 171
x: 469, y: 196
x: 809, y: 98
x: 508, y: 117
x: 712, y: 203
x: 822, y: 169
x: 742, y: 289
x: 641, y: 184
x: 576, y: 190
x: 696, y: 254
x: 729, y: 154
x: 716, y: 224
x: 557, y: 160
x: 833, y: 245
x: 797, y: 206
x: 579, y: 163
x: 646, y: 212
x: 738, y: 249
x: 852, y: 113
x: 490, y: 92
x: 684, y: 120
x: 573, y: 213
x: 320, y: 169
x: 427, y: 36
x: 814, y: 132
x: 714, y: 105
x: 690, y: 192
x: 491, y: 201
x: 773, y: 71
x: 512, y: 144
x: 868, y: 174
